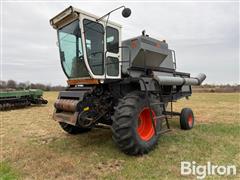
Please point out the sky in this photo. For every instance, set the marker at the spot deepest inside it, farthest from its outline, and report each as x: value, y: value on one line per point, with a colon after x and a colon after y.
x: 205, y: 36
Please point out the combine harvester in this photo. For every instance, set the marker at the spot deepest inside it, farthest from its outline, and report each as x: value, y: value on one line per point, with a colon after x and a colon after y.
x: 17, y: 99
x: 126, y: 85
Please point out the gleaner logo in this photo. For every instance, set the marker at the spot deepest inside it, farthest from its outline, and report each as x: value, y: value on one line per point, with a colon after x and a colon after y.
x: 201, y: 171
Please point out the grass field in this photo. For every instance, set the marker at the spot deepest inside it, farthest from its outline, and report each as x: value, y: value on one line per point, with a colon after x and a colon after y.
x: 35, y: 147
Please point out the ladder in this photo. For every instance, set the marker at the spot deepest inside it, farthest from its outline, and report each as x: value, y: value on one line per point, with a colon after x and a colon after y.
x: 163, y: 117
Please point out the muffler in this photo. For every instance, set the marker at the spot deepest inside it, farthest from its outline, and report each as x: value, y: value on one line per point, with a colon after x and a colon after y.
x: 170, y: 80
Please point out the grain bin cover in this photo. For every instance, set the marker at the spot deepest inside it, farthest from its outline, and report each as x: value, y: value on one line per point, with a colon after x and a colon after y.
x: 154, y: 52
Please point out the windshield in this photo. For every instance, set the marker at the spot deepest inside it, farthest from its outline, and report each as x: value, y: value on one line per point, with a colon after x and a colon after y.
x: 71, y: 51
x: 94, y: 39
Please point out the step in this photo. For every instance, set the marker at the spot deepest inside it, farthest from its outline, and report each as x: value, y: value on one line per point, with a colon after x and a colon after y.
x: 154, y: 104
x: 164, y: 131
x: 160, y: 117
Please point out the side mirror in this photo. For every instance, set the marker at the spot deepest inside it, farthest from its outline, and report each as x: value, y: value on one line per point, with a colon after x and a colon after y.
x: 126, y: 12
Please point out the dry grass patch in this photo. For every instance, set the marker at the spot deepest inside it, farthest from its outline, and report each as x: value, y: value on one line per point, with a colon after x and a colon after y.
x: 213, y: 107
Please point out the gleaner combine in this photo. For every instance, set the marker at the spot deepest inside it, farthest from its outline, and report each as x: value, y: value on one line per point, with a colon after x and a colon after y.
x: 124, y: 84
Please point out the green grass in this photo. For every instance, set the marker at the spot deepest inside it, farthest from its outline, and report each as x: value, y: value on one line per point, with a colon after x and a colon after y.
x: 188, y: 146
x: 37, y: 148
x: 7, y: 173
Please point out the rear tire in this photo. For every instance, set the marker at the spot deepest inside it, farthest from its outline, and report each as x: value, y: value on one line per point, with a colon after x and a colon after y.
x: 73, y: 129
x: 186, y: 119
x: 132, y: 127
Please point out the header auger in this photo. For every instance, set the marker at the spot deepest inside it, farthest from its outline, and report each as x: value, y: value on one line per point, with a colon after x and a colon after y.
x: 124, y: 84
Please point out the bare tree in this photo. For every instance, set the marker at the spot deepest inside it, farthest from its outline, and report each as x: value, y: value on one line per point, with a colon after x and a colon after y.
x: 11, y: 84
x: 22, y: 85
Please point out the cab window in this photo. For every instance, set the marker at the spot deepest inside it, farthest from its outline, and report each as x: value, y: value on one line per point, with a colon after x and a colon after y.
x: 94, y: 40
x: 71, y: 51
x: 112, y: 40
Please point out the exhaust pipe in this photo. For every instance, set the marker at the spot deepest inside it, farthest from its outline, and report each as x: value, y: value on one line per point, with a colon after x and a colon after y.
x: 169, y: 80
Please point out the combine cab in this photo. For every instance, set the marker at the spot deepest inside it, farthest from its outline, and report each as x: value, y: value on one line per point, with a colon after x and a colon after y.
x: 126, y: 85
x: 17, y: 99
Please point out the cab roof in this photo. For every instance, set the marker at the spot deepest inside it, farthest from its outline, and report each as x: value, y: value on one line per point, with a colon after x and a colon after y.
x: 72, y: 13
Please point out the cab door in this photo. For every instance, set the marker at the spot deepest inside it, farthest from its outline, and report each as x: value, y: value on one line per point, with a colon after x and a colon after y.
x: 93, y: 36
x: 113, y: 53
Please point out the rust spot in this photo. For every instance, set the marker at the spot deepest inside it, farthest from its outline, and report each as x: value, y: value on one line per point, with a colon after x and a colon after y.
x: 158, y: 45
x: 134, y: 43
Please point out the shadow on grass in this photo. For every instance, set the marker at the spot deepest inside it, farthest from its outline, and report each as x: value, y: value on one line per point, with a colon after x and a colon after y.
x: 200, y: 143
x: 97, y: 141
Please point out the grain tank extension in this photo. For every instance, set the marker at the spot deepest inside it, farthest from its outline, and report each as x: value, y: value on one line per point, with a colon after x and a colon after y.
x: 126, y: 85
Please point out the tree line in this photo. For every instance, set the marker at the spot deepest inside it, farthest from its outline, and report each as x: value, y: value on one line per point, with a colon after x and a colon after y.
x: 11, y: 84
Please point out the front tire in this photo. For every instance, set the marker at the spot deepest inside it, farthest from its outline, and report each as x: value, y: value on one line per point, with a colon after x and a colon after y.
x: 70, y: 129
x: 132, y: 127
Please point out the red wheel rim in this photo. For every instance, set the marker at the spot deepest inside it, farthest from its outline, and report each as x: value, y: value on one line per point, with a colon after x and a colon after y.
x: 145, y: 128
x: 190, y: 120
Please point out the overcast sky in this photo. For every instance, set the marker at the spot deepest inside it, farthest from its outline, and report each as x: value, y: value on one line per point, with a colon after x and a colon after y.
x: 204, y: 35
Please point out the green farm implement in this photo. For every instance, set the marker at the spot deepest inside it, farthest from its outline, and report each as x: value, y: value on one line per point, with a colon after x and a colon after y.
x: 17, y: 99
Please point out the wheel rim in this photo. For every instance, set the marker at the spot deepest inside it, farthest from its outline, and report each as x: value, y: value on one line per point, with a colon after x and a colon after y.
x: 190, y: 120
x: 145, y: 128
